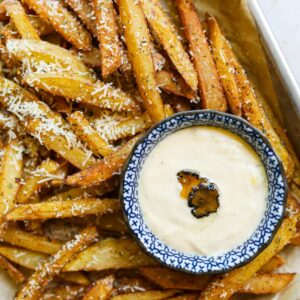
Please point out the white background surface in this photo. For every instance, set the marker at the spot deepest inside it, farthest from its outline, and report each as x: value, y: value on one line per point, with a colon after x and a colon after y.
x: 284, y: 19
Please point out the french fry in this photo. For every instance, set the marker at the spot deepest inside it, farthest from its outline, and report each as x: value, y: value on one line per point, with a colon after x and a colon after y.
x: 63, y: 209
x: 295, y: 241
x: 20, y: 19
x: 126, y: 285
x: 112, y: 222
x: 62, y: 21
x: 64, y: 292
x: 101, y: 290
x: 48, y: 127
x: 171, y: 279
x: 267, y: 283
x: 225, y: 71
x: 108, y: 254
x: 273, y: 264
x: 256, y: 115
x: 3, y: 14
x: 210, y: 87
x: 170, y: 83
x: 89, y: 135
x: 11, y: 270
x: 85, y: 12
x: 8, y: 32
x: 31, y: 260
x: 180, y: 104
x: 139, y: 52
x: 148, y: 295
x: 83, y: 90
x: 168, y: 37
x: 45, y: 172
x: 91, y: 58
x: 107, y: 34
x: 21, y: 238
x: 104, y: 169
x: 169, y: 111
x: 41, y: 55
x: 44, y: 274
x: 10, y: 176
x: 234, y: 280
x: 42, y: 27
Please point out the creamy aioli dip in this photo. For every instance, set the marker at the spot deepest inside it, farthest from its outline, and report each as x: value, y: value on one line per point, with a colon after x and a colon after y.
x: 223, y: 158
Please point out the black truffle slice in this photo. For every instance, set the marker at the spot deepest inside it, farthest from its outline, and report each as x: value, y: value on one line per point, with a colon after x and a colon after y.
x: 204, y: 199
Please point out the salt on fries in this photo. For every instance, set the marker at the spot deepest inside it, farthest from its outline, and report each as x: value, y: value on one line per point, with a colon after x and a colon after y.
x: 70, y: 116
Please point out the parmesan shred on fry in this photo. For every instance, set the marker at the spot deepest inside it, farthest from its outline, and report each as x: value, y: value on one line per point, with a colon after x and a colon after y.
x: 81, y: 81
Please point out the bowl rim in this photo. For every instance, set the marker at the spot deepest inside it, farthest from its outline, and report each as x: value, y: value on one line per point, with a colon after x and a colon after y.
x: 263, y: 245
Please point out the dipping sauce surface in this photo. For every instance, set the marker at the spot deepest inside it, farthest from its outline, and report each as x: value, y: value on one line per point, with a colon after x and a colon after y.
x: 226, y: 160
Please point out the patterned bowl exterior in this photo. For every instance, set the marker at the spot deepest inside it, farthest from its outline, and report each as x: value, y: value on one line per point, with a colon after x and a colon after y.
x: 195, y: 263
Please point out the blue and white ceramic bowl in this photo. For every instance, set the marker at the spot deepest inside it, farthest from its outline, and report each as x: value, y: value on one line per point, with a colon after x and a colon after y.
x: 195, y: 263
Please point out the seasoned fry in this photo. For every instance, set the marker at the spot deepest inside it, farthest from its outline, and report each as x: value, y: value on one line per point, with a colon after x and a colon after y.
x: 167, y: 35
x: 53, y: 265
x: 83, y: 90
x: 21, y: 238
x: 91, y: 58
x: 126, y: 285
x: 267, y: 283
x: 169, y: 111
x: 65, y: 292
x: 48, y: 127
x: 171, y: 279
x: 170, y: 83
x: 41, y: 55
x: 85, y: 12
x: 20, y: 19
x: 234, y: 280
x: 295, y: 241
x: 110, y: 254
x: 10, y: 176
x: 101, y: 290
x: 273, y: 264
x: 112, y: 222
x: 210, y: 87
x: 42, y: 27
x: 62, y: 21
x: 89, y: 135
x: 104, y: 169
x: 149, y: 295
x: 139, y: 51
x: 226, y: 72
x: 11, y: 270
x: 44, y: 173
x: 256, y: 115
x: 107, y: 34
x: 64, y: 209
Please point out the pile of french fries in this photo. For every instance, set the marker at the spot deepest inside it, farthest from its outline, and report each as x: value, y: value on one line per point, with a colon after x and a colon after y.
x: 81, y: 81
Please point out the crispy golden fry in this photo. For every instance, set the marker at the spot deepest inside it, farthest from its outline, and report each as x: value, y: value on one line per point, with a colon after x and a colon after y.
x: 110, y: 254
x: 44, y: 274
x: 85, y: 12
x: 63, y: 21
x: 83, y: 90
x: 101, y: 290
x: 64, y: 209
x: 267, y: 283
x: 42, y: 27
x: 107, y: 34
x: 40, y: 121
x: 170, y: 83
x: 41, y: 55
x: 148, y: 295
x: 126, y: 285
x: 87, y: 134
x: 139, y: 51
x: 273, y: 264
x: 171, y: 279
x: 45, y: 172
x: 21, y: 238
x: 65, y: 292
x: 234, y: 280
x: 167, y: 35
x: 11, y: 270
x: 104, y: 169
x: 210, y: 87
x: 10, y: 176
x: 31, y: 260
x: 169, y: 111
x: 91, y: 58
x: 255, y: 114
x: 20, y: 19
x: 158, y: 60
x: 225, y: 70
